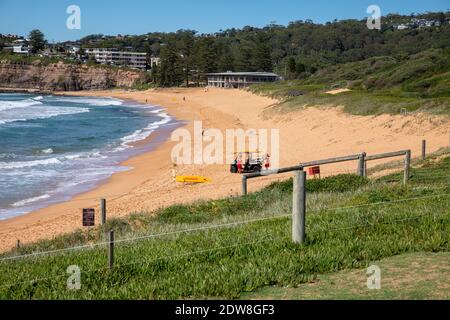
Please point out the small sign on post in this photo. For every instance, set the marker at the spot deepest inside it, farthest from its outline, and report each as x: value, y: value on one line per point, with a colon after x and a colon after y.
x: 88, y: 217
x: 313, y: 171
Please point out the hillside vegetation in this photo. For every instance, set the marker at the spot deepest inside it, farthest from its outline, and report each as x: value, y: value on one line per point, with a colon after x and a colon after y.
x: 420, y: 82
x: 295, y: 51
x: 223, y: 248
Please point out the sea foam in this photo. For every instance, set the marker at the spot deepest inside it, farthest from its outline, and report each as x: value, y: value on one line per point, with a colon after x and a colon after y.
x: 30, y: 200
x: 27, y: 164
x: 8, y: 105
x: 99, y: 102
x: 144, y: 133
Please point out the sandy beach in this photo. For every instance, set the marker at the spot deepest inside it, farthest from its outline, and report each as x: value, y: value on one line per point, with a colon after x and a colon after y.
x: 306, y: 134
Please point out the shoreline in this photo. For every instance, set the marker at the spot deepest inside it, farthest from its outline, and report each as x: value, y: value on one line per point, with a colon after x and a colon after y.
x: 115, y: 186
x: 139, y: 147
x: 322, y: 132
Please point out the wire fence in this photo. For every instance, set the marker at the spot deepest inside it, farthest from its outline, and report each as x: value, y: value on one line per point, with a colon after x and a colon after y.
x: 216, y: 226
x: 366, y: 224
x: 93, y: 245
x: 218, y: 248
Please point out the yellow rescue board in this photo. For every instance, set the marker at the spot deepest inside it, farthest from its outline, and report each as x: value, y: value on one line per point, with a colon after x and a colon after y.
x: 191, y: 179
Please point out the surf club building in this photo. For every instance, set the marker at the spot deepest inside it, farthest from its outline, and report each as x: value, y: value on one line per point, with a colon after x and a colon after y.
x: 135, y: 60
x: 239, y: 80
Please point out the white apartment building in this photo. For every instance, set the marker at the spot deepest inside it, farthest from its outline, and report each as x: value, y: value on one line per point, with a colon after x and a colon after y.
x: 135, y: 60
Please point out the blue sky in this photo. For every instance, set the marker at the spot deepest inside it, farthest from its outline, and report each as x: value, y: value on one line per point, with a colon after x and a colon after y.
x: 140, y: 16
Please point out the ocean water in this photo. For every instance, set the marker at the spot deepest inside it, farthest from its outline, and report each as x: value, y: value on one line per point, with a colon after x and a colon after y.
x: 52, y: 148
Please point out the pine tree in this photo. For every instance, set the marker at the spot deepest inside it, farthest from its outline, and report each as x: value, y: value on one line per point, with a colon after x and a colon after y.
x: 226, y: 58
x: 262, y: 57
x: 245, y: 60
x: 169, y: 73
x: 36, y: 40
x: 292, y: 64
x: 186, y: 47
x: 206, y: 55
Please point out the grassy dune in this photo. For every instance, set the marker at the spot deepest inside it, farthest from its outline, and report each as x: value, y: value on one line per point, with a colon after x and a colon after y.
x: 351, y: 222
x: 420, y: 82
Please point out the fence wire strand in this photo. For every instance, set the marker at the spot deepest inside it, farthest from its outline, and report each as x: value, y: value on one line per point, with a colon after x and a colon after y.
x: 219, y: 226
x: 271, y: 239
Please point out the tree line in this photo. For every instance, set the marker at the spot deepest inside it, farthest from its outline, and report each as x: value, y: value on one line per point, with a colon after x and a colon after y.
x: 294, y: 51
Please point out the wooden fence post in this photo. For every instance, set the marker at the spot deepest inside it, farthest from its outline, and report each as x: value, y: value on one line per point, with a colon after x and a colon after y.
x: 244, y: 185
x: 111, y: 250
x: 424, y: 149
x: 299, y: 207
x: 407, y: 166
x: 18, y: 244
x: 103, y: 210
x: 362, y: 165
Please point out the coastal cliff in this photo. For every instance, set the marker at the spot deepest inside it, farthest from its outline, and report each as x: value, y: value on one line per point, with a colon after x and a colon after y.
x: 62, y: 76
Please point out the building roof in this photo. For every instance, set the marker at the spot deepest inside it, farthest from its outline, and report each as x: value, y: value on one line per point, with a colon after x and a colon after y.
x: 258, y: 74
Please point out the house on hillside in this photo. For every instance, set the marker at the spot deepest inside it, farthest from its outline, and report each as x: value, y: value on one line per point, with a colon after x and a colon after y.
x: 21, y: 49
x: 239, y: 79
x: 402, y: 27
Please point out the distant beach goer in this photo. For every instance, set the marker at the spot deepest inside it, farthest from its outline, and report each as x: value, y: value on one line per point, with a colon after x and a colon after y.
x: 239, y: 165
x: 267, y: 162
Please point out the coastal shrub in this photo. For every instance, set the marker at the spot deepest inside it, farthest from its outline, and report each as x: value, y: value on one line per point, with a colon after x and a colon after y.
x: 339, y: 183
x: 208, y: 210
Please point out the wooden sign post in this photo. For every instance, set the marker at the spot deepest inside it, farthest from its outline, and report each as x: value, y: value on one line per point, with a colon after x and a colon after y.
x: 88, y: 217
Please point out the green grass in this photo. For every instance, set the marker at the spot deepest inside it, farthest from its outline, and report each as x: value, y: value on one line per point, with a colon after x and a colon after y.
x: 350, y: 223
x: 414, y: 276
x: 379, y: 85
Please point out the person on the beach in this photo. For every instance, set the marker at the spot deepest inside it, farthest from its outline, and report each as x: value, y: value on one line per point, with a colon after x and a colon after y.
x: 239, y: 165
x: 267, y: 162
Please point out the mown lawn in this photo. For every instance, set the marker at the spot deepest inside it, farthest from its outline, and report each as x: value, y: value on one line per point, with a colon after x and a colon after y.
x: 412, y: 276
x: 351, y: 222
